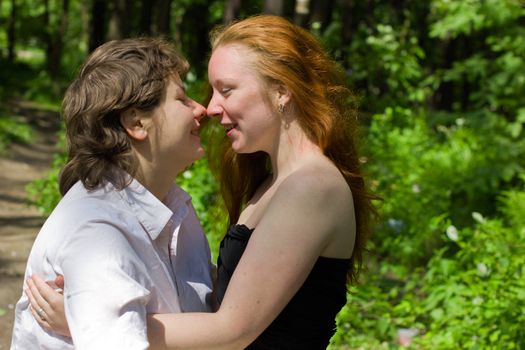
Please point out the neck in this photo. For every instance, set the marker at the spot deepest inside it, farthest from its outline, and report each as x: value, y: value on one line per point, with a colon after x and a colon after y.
x: 155, y: 178
x: 291, y: 150
x: 157, y: 183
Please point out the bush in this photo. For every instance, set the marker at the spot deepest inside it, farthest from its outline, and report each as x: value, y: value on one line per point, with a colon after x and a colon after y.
x: 475, y: 286
x: 430, y: 173
x: 470, y: 294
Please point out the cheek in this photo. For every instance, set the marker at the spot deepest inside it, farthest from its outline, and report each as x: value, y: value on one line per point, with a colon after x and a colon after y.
x: 236, y: 105
x: 255, y: 105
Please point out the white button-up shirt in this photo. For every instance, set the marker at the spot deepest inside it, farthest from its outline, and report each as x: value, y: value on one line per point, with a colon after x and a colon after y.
x: 123, y: 254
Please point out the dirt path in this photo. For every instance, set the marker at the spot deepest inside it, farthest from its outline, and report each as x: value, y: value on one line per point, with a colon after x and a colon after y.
x: 19, y: 223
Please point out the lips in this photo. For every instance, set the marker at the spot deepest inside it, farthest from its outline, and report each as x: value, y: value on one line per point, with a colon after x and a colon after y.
x: 229, y: 128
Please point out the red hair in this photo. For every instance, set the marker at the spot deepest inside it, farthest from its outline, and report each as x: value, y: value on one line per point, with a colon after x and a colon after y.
x: 287, y: 54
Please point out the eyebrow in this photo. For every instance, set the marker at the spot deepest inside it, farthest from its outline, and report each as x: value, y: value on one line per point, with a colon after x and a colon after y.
x: 180, y: 87
x: 223, y: 81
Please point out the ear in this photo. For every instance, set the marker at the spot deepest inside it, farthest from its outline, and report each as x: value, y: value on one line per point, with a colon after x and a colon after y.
x: 283, y: 95
x: 132, y: 122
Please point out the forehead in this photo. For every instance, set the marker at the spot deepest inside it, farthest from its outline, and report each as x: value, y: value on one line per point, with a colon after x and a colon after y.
x: 230, y: 59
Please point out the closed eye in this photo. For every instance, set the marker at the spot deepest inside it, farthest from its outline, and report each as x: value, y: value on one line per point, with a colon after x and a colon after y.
x: 182, y: 97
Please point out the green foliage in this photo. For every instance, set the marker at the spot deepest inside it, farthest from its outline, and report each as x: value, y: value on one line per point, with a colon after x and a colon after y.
x: 453, y: 18
x: 44, y: 193
x: 498, y: 67
x: 429, y: 174
x: 385, y: 62
x: 12, y: 129
x: 475, y: 297
x: 470, y: 294
x: 201, y: 185
x: 25, y: 79
x: 451, y: 277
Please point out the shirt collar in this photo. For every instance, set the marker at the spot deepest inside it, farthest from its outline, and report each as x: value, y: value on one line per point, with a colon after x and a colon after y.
x: 152, y: 213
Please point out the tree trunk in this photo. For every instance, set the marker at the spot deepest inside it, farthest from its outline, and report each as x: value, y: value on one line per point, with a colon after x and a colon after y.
x: 398, y: 7
x: 47, y: 31
x: 421, y: 21
x: 1, y: 51
x: 467, y: 51
x: 322, y: 12
x: 370, y: 17
x: 195, y: 41
x: 11, y: 33
x: 349, y: 25
x: 445, y: 93
x: 302, y: 12
x: 98, y: 24
x: 119, y: 22
x: 164, y: 16
x: 145, y: 16
x: 57, y: 42
x: 231, y: 11
x: 273, y: 7
x: 84, y: 18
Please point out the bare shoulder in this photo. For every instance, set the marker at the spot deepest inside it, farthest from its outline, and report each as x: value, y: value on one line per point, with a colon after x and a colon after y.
x: 317, y: 177
x: 318, y: 183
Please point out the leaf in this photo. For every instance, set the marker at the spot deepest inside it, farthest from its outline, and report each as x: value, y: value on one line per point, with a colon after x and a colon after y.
x: 478, y: 217
x: 437, y: 314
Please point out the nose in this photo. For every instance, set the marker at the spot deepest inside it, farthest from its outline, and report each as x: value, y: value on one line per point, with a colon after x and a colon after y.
x: 199, y: 111
x: 214, y: 108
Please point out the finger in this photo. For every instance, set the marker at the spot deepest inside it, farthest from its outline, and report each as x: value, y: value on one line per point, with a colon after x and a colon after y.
x: 59, y: 281
x: 32, y: 300
x: 57, y: 284
x: 38, y: 300
x: 41, y: 319
x: 48, y: 293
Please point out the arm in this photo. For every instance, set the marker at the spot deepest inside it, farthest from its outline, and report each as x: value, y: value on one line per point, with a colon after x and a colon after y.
x: 106, y: 289
x: 293, y: 232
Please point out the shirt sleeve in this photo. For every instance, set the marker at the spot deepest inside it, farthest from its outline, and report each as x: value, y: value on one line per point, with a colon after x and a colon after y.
x: 106, y: 289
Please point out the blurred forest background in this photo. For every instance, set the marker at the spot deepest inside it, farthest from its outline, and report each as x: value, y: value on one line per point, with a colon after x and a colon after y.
x: 440, y: 86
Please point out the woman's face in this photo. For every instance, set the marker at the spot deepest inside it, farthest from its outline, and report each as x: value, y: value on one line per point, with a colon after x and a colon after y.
x: 241, y: 102
x: 175, y: 133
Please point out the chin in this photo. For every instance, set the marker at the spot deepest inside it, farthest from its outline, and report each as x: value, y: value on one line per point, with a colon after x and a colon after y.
x: 239, y: 149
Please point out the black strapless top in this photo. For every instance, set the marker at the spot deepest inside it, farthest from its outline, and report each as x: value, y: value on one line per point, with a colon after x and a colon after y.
x: 308, y: 321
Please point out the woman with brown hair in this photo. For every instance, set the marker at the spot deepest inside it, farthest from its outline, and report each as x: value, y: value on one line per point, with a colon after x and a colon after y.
x: 290, y: 177
x: 123, y: 235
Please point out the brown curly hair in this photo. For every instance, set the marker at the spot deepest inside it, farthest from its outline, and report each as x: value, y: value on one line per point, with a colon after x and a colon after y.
x: 118, y: 75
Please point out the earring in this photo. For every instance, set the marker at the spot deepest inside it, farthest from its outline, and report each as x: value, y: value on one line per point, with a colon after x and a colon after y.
x: 281, y: 108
